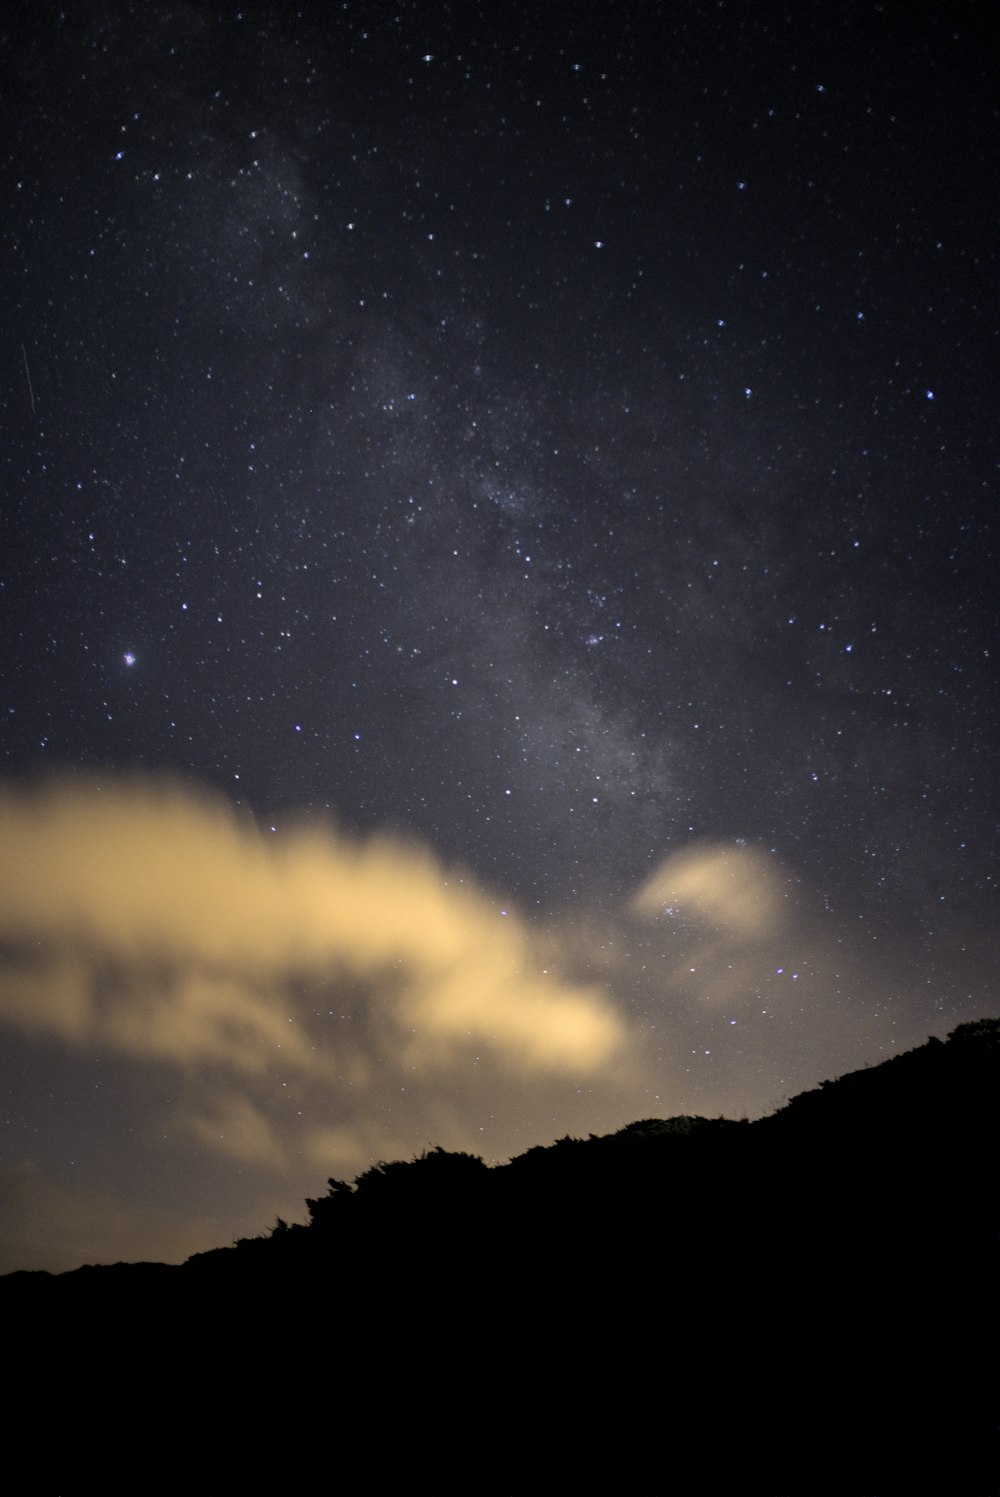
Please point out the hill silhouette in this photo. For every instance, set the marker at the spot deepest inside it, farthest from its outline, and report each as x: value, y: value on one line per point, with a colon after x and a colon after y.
x: 803, y: 1304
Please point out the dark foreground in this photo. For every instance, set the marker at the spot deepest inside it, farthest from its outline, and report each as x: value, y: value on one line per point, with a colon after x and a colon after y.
x: 797, y: 1306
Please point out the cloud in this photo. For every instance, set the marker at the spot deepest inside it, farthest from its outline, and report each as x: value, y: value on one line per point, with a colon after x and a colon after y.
x: 312, y: 1001
x: 146, y: 917
x: 732, y: 927
x: 731, y: 887
x: 337, y: 1148
x: 234, y: 1126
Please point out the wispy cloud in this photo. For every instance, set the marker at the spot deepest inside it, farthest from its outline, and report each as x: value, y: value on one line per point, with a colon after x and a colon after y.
x: 730, y: 886
x: 152, y: 919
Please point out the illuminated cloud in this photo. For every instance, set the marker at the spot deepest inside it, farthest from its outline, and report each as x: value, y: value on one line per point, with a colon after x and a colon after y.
x: 149, y: 918
x: 314, y: 1002
x: 733, y: 930
x: 728, y: 885
x: 339, y: 1148
x: 234, y: 1126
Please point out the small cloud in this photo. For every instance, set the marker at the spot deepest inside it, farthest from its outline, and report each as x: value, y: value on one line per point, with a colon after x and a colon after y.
x: 730, y: 886
x: 236, y: 1128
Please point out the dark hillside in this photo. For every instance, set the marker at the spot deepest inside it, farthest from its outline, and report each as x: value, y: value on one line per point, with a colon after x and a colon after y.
x: 799, y: 1305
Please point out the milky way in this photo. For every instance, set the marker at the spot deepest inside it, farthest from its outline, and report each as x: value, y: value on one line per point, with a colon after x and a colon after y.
x: 549, y: 466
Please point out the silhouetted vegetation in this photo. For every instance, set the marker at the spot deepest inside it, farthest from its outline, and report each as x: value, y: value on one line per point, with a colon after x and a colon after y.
x: 799, y: 1305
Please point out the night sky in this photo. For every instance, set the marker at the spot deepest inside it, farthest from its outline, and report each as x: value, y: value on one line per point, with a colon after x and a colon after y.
x: 498, y: 567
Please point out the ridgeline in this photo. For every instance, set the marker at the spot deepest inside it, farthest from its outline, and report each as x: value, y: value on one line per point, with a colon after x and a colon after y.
x: 800, y: 1305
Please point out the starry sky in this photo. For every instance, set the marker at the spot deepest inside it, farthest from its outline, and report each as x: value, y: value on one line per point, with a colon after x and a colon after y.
x: 499, y: 574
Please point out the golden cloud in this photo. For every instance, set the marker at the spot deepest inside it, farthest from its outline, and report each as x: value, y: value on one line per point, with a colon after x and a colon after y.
x: 151, y: 918
x: 235, y: 1127
x: 728, y: 885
